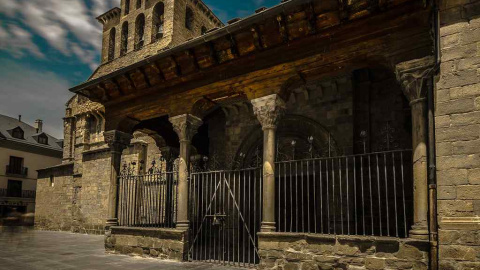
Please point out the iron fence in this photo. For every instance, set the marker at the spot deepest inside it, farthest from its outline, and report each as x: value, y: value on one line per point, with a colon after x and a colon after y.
x: 225, y: 216
x: 369, y: 194
x: 148, y: 200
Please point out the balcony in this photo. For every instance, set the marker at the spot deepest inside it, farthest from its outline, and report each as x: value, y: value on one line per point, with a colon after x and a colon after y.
x: 17, y: 171
x: 25, y: 194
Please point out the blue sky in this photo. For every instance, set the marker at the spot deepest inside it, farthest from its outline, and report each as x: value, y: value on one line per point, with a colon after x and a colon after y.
x: 48, y: 46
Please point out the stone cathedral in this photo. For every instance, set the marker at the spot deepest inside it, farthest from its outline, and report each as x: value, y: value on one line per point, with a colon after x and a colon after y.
x: 316, y: 134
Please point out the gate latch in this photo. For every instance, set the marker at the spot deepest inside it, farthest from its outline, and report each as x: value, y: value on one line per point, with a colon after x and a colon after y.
x: 218, y: 219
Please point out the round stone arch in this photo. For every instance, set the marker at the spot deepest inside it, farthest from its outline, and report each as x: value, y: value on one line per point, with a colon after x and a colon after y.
x: 311, y: 140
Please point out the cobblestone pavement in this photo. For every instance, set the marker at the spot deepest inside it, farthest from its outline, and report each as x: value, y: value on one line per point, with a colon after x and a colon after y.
x: 27, y: 249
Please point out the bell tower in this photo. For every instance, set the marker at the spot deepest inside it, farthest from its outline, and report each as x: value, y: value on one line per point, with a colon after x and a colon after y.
x: 141, y: 28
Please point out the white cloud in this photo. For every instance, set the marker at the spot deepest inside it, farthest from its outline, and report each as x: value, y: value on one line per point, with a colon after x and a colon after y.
x: 34, y: 95
x: 69, y: 26
x: 17, y: 41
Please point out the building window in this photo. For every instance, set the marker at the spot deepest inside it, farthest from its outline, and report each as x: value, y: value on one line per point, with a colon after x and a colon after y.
x: 158, y: 20
x: 42, y: 139
x: 52, y: 181
x: 15, y: 166
x: 14, y: 188
x: 18, y: 133
x: 189, y: 18
x: 124, y: 47
x: 111, y: 45
x: 204, y: 30
x: 139, y: 31
x: 127, y: 7
x: 139, y: 4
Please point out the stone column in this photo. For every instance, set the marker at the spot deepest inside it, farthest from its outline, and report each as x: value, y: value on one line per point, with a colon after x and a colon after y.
x: 186, y: 126
x: 414, y: 76
x: 117, y: 141
x: 268, y: 110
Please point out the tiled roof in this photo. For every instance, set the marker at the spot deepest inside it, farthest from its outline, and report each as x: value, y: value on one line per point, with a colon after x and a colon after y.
x: 8, y: 123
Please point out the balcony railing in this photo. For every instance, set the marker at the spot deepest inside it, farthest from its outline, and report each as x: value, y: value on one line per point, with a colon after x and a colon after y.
x: 26, y: 194
x: 22, y: 171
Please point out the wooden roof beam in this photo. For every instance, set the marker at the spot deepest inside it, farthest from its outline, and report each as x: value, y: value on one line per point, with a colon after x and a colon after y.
x: 145, y: 76
x: 118, y: 86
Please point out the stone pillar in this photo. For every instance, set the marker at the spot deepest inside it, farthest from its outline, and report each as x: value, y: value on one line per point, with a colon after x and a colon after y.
x: 268, y: 110
x: 69, y: 138
x: 117, y: 141
x: 186, y: 126
x: 414, y: 76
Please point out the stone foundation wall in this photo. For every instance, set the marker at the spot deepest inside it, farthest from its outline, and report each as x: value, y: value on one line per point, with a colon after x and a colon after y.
x: 168, y: 244
x: 458, y: 135
x: 297, y: 251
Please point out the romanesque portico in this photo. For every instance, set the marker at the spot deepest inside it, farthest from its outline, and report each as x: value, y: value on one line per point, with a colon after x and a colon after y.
x: 325, y: 118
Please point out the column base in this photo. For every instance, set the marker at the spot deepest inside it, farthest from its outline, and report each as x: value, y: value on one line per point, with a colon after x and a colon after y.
x: 111, y: 222
x: 419, y: 232
x: 268, y: 227
x: 183, y: 225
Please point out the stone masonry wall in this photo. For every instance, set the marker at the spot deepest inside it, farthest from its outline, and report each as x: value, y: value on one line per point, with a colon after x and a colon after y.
x: 297, y: 251
x: 148, y: 242
x: 458, y: 135
x: 54, y: 209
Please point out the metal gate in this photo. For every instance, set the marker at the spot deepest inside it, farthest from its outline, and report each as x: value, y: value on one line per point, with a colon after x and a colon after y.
x: 225, y: 215
x: 148, y: 199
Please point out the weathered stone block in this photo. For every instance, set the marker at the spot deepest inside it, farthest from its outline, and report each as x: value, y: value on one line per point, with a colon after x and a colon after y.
x: 466, y: 147
x: 470, y: 192
x: 409, y: 252
x: 291, y: 266
x: 452, y: 208
x: 474, y: 176
x: 470, y: 118
x: 374, y: 263
x: 447, y: 193
x: 459, y: 253
x: 465, y: 133
x: 309, y: 266
x: 452, y: 177
x: 458, y: 162
x: 457, y: 79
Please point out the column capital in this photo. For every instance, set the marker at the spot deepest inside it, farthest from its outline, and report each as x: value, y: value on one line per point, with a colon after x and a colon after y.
x: 269, y: 110
x: 117, y: 140
x: 186, y: 126
x: 413, y: 76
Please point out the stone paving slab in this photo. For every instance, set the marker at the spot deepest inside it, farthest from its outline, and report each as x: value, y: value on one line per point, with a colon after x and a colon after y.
x: 27, y: 249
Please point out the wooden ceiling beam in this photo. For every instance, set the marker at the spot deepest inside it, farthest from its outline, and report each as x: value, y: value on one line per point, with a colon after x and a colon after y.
x: 159, y: 71
x: 118, y: 86
x: 145, y: 76
x: 106, y: 96
x: 257, y: 40
x: 282, y: 27
x: 129, y: 79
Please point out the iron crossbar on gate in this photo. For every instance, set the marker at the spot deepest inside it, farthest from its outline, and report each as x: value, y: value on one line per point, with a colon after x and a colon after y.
x: 225, y: 216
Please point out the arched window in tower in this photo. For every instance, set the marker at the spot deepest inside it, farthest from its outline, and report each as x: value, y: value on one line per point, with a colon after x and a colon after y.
x: 189, y: 18
x: 124, y: 46
x: 204, y: 30
x: 126, y: 8
x: 158, y: 20
x: 111, y: 45
x: 139, y: 4
x: 139, y: 32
